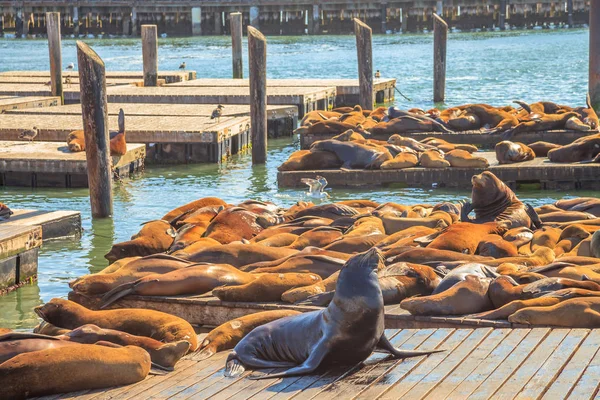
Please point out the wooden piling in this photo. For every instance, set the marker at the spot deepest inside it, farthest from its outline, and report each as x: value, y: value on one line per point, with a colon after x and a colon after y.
x: 440, y: 38
x: 594, y: 60
x: 236, y: 44
x: 94, y: 108
x: 54, y: 48
x: 150, y: 54
x: 257, y: 60
x: 365, y: 63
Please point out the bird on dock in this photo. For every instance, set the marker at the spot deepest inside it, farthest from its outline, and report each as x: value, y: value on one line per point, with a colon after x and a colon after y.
x: 182, y: 66
x: 5, y: 212
x: 377, y: 74
x: 118, y: 146
x: 29, y: 134
x: 68, y: 81
x: 316, y: 186
x: 70, y: 67
x: 217, y: 112
x: 49, y: 83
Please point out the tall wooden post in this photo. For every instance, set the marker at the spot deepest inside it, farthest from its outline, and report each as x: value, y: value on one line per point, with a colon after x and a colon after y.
x: 502, y: 14
x: 440, y: 38
x: 54, y: 48
x: 257, y: 60
x: 235, y: 20
x: 365, y: 63
x: 594, y: 70
x: 94, y: 108
x: 570, y: 13
x: 150, y: 54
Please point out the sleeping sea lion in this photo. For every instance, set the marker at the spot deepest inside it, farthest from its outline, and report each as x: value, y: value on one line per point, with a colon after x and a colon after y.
x: 585, y: 149
x: 266, y: 287
x: 508, y: 152
x: 433, y: 159
x: 581, y: 312
x: 541, y: 149
x: 463, y: 159
x: 354, y: 155
x: 306, y: 160
x: 193, y: 206
x: 154, y: 237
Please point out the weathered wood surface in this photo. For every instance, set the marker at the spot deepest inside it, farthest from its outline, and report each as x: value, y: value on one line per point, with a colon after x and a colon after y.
x: 73, y: 77
x: 257, y: 59
x: 364, y: 48
x: 168, y: 76
x: 54, y: 48
x: 540, y: 170
x: 477, y: 138
x: 477, y: 363
x: 8, y: 103
x: 55, y: 224
x: 17, y: 239
x: 150, y: 54
x: 52, y: 164
x: 594, y: 55
x: 440, y: 38
x: 140, y: 129
x: 235, y: 21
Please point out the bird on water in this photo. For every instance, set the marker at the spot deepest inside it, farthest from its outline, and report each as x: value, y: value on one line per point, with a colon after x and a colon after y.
x: 29, y: 134
x: 70, y: 67
x: 316, y: 186
x: 182, y: 66
x: 217, y: 112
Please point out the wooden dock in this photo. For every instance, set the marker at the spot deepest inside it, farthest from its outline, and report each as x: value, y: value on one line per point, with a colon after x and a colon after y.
x: 347, y: 90
x: 282, y: 119
x: 171, y: 139
x: 305, y: 98
x: 168, y: 76
x: 71, y: 93
x: 486, y: 363
x: 8, y: 103
x: 51, y: 164
x: 540, y: 171
x: 18, y: 255
x: 54, y: 224
x: 477, y: 138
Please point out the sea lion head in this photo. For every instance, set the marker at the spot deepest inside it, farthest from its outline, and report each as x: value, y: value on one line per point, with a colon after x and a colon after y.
x: 358, y: 281
x: 488, y: 189
x: 53, y: 311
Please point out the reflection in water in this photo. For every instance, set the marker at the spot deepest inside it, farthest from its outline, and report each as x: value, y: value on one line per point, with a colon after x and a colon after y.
x: 103, y: 233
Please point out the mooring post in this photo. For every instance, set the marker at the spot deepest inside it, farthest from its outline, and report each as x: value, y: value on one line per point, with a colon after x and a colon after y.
x: 594, y: 70
x: 150, y: 54
x: 235, y: 20
x: 570, y: 13
x: 365, y: 63
x: 53, y: 30
x: 257, y: 60
x: 502, y: 14
x: 94, y: 108
x: 440, y: 38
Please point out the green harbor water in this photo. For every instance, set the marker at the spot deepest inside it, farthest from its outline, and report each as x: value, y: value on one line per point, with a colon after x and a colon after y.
x: 494, y: 68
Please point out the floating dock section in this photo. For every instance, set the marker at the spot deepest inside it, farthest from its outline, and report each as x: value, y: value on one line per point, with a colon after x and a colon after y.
x: 51, y: 164
x: 551, y: 176
x: 8, y: 103
x: 19, y: 247
x: 55, y: 224
x: 168, y: 76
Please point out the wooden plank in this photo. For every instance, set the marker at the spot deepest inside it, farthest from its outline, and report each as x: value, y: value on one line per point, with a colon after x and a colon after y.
x: 445, y: 387
x: 506, y: 369
x: 571, y: 373
x: 257, y: 59
x: 548, y: 372
x: 588, y: 385
x: 169, y: 76
x: 27, y: 102
x: 55, y: 224
x: 18, y: 239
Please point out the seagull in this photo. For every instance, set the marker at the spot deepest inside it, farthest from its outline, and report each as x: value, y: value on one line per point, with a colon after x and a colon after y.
x: 5, y: 212
x: 29, y: 134
x: 377, y: 74
x: 68, y: 81
x: 217, y: 113
x: 182, y: 66
x: 70, y: 67
x: 316, y: 186
x: 49, y: 83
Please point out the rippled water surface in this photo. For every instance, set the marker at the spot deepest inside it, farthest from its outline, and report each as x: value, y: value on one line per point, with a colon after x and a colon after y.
x: 495, y: 68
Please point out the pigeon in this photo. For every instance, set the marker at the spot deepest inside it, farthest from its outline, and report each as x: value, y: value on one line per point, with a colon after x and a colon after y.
x: 29, y: 134
x: 316, y: 186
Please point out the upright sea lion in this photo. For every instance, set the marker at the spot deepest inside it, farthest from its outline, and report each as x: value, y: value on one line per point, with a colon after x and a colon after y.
x: 71, y: 369
x: 266, y: 287
x: 581, y: 312
x: 347, y: 331
x: 508, y: 152
x: 541, y: 149
x: 227, y: 335
x: 154, y: 237
x: 154, y: 324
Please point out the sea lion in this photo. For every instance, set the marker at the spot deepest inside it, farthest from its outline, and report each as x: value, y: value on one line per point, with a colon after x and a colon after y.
x: 46, y: 328
x: 76, y: 141
x: 71, y: 369
x: 234, y: 224
x: 466, y: 297
x: 543, y: 122
x: 407, y: 124
x: 545, y: 237
x: 586, y: 204
x: 14, y: 343
x: 192, y: 280
x: 463, y: 159
x: 317, y: 116
x: 493, y: 119
x: 302, y: 293
x: 349, y: 136
x: 586, y: 149
x: 433, y: 159
x: 508, y: 152
x: 193, y: 206
x: 201, y: 217
x: 354, y: 155
x: 459, y: 274
x: 306, y: 160
x: 163, y: 355
x: 229, y: 334
x: 267, y: 287
x: 321, y: 265
x: 401, y: 161
x: 462, y: 237
x: 186, y: 235
x: 154, y: 237
x: 433, y: 257
x: 281, y: 240
x: 581, y: 312
x: 118, y: 144
x: 410, y: 143
x: 154, y: 324
x: 238, y: 254
x: 411, y: 233
x: 595, y: 244
x: 541, y: 149
x: 575, y: 124
x: 394, y: 223
x: 510, y: 308
x: 196, y: 247
x: 355, y: 244
x: 347, y: 331
x: 465, y: 122
x: 318, y: 237
x: 331, y: 211
x: 326, y: 127
x: 565, y: 216
x: 495, y: 246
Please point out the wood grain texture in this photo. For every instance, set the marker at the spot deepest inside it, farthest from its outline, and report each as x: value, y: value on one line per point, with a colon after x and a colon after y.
x: 257, y: 60
x: 235, y: 20
x: 54, y: 48
x: 440, y: 39
x: 150, y: 54
x: 365, y: 63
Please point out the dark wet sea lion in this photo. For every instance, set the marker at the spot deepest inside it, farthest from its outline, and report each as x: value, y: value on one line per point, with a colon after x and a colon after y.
x: 583, y: 150
x: 346, y: 332
x: 326, y: 127
x: 331, y: 211
x: 508, y: 152
x: 227, y: 335
x: 353, y: 154
x: 238, y: 254
x: 266, y: 287
x: 321, y: 265
x: 15, y: 343
x: 71, y: 369
x: 459, y: 274
x: 154, y: 324
x: 581, y: 312
x: 306, y: 160
x: 541, y: 149
x: 155, y: 237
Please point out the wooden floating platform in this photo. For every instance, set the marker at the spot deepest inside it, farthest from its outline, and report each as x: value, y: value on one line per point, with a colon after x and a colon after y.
x: 168, y: 76
x: 55, y: 224
x: 347, y: 90
x: 74, y: 77
x: 476, y: 363
x: 51, y: 164
x: 550, y: 176
x: 173, y: 139
x: 18, y: 255
x: 71, y: 94
x: 282, y: 119
x: 305, y: 98
x: 8, y: 103
x: 477, y: 138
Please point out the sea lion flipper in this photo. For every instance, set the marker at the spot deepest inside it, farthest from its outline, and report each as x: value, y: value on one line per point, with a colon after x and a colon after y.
x: 385, y: 345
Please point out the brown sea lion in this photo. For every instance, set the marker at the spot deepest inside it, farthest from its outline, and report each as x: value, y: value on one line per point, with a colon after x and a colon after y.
x: 317, y: 116
x: 401, y: 161
x: 187, y: 235
x: 412, y: 232
x: 71, y: 369
x: 595, y: 244
x: 493, y: 119
x: 154, y: 237
x: 575, y: 124
x: 463, y: 237
x: 326, y: 127
x: 76, y: 141
x: 433, y: 159
x: 393, y: 223
x: 355, y: 244
x: 353, y: 154
x: 227, y: 335
x: 195, y: 279
x: 464, y: 159
x: 200, y: 217
x: 508, y: 152
x: 201, y: 244
x: 495, y: 246
x: 322, y: 265
x: 406, y: 124
x: 581, y: 312
x: 14, y: 343
x: 118, y: 144
x: 569, y: 238
x: 541, y: 149
x: 267, y: 287
x: 465, y: 122
x: 543, y: 122
x: 318, y: 237
x: 164, y: 355
x: 545, y: 237
x: 193, y: 206
x: 565, y: 216
x: 46, y: 328
x: 466, y: 297
x: 238, y: 254
x: 349, y: 136
x: 518, y: 236
x: 306, y: 160
x: 331, y: 211
x: 280, y: 240
x: 150, y: 323
x: 427, y: 256
x: 299, y: 294
x: 508, y: 309
x: 233, y: 224
x: 586, y: 204
x: 410, y: 143
x: 586, y: 149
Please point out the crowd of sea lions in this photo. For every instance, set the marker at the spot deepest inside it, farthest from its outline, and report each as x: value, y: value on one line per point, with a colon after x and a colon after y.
x: 372, y: 139
x: 488, y: 257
